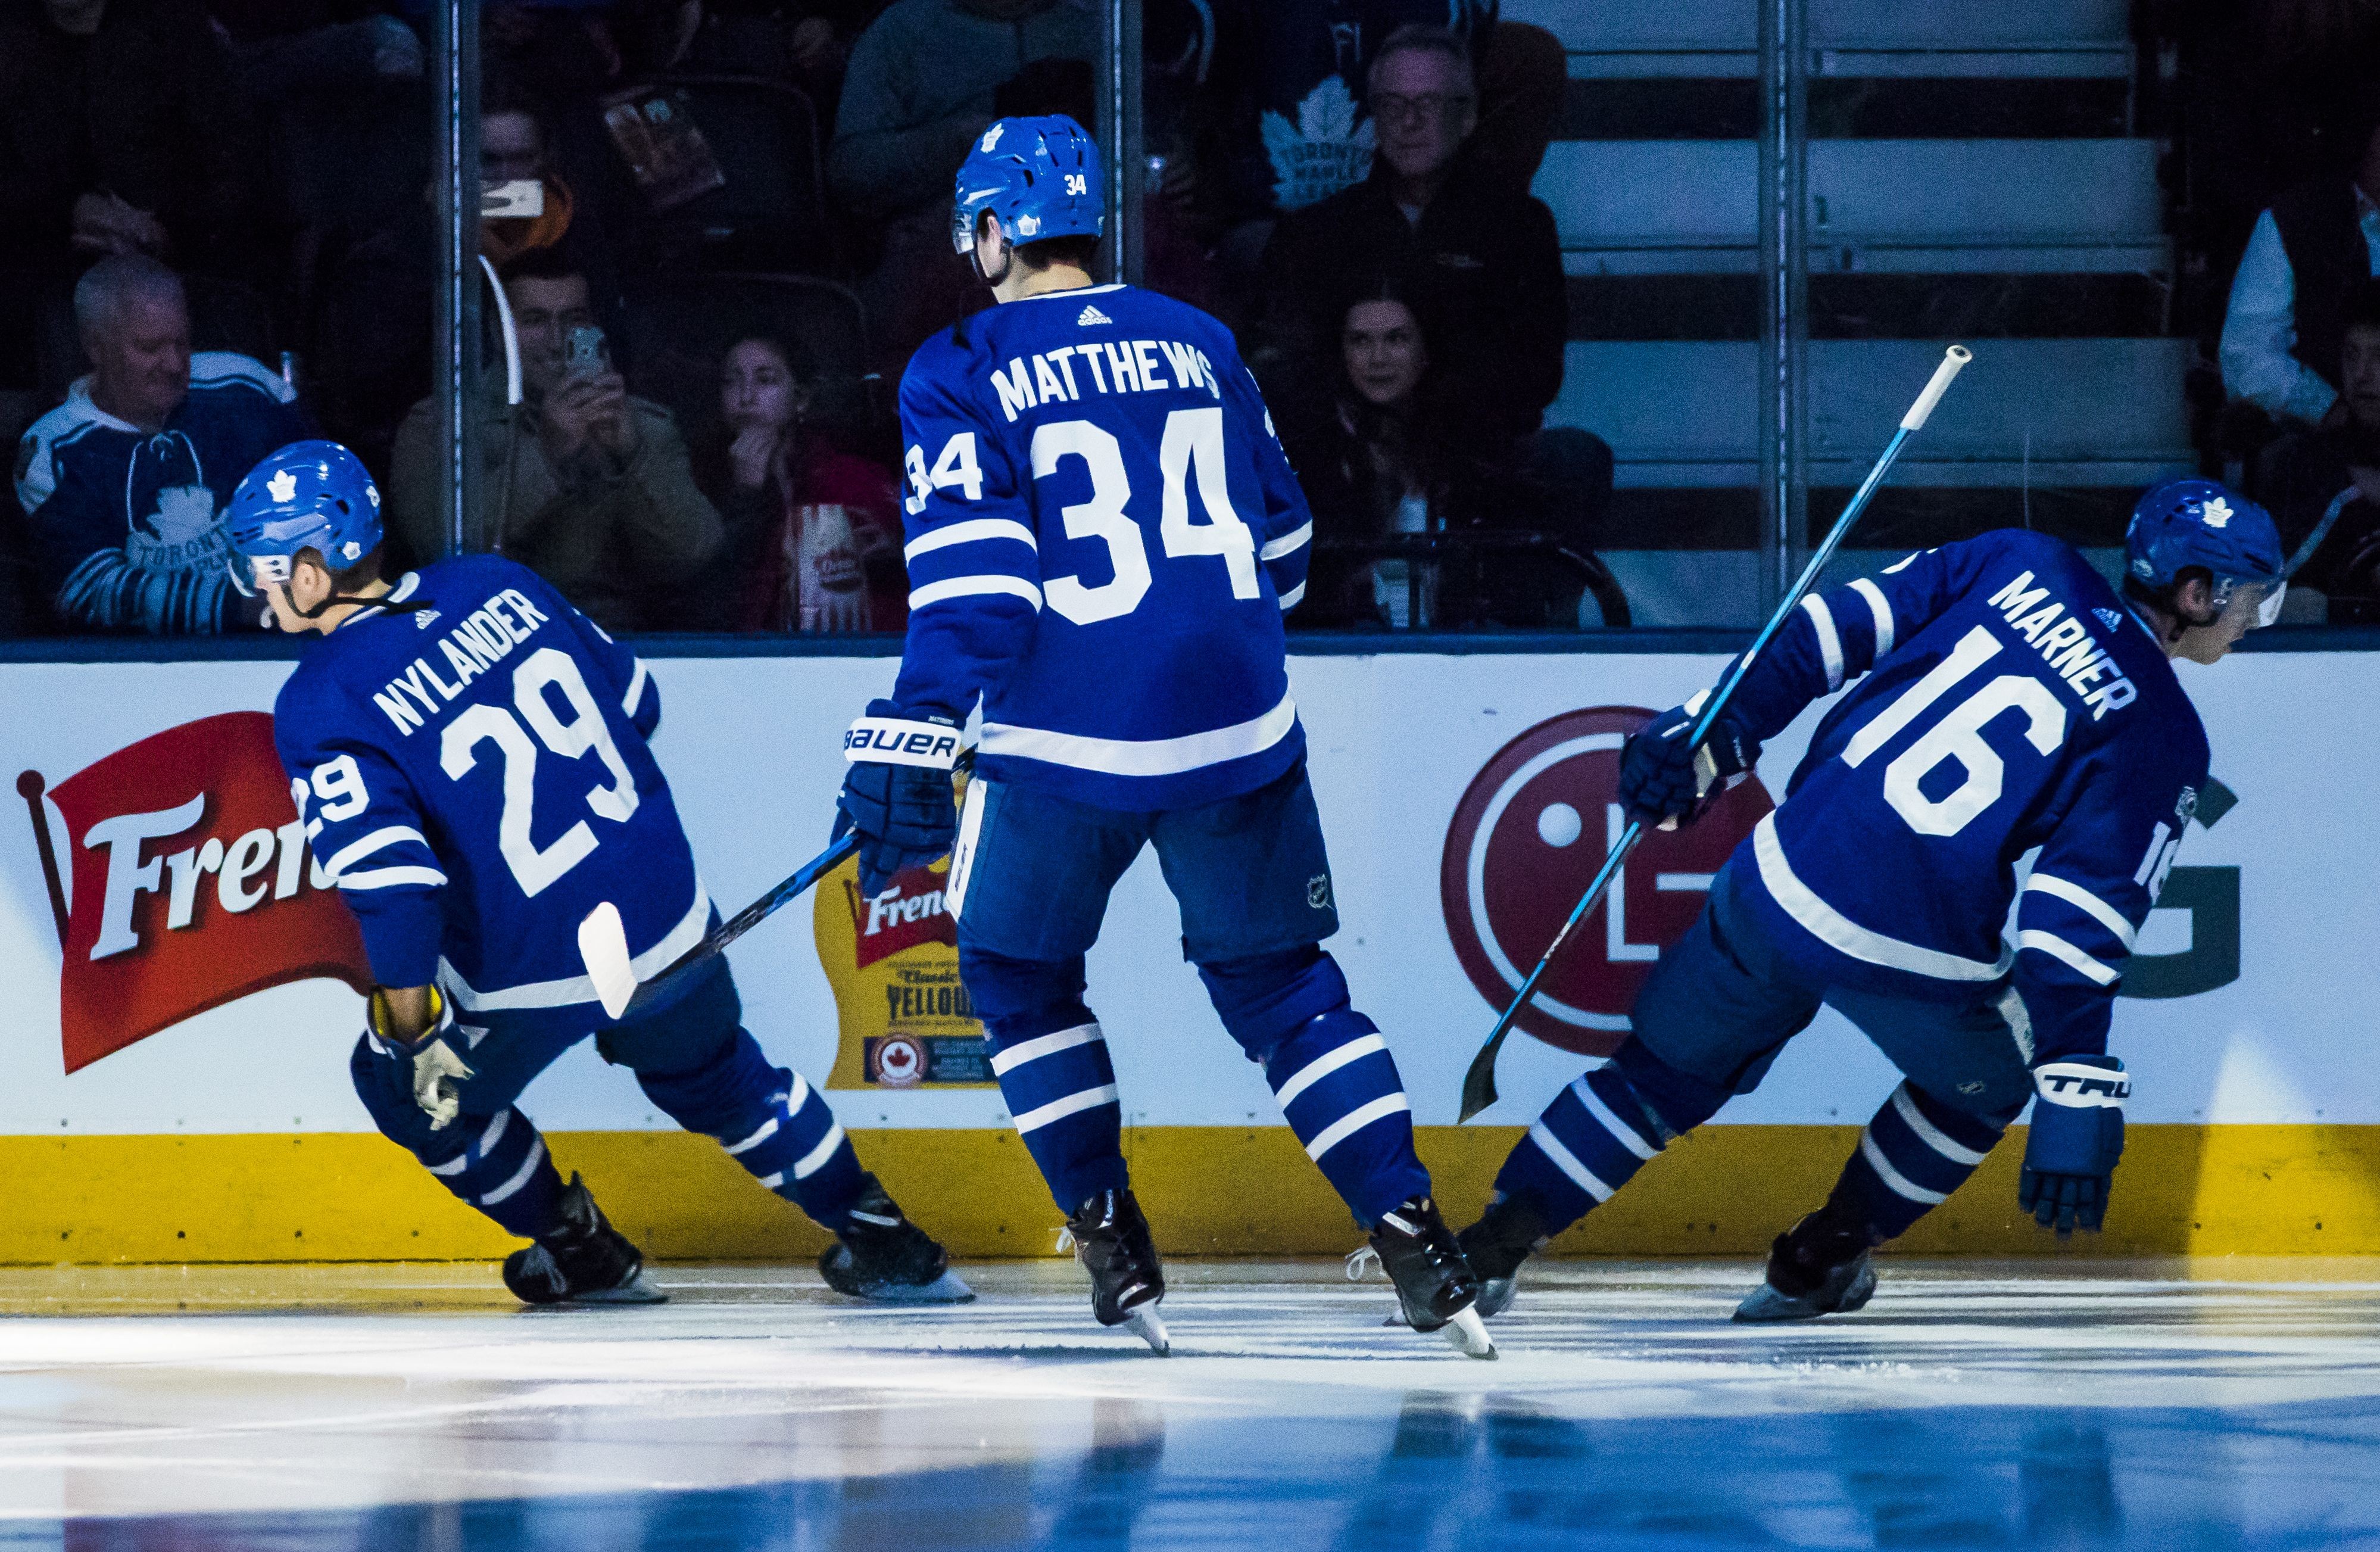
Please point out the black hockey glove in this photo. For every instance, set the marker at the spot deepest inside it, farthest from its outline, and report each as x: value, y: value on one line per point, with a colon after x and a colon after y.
x: 2078, y: 1135
x: 897, y: 793
x: 1665, y: 784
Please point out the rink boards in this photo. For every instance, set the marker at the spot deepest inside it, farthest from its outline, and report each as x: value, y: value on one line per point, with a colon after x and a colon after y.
x: 1463, y: 794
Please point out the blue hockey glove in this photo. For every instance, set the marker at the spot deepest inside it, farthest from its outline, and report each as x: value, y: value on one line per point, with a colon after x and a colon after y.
x: 1665, y: 784
x: 2078, y: 1135
x: 897, y: 793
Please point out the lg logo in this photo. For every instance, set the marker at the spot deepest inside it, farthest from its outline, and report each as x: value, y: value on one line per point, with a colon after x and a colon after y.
x: 1528, y: 837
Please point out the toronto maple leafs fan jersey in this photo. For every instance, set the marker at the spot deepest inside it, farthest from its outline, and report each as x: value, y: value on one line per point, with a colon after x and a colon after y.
x: 2011, y: 701
x: 475, y: 778
x: 1102, y: 535
x: 124, y: 524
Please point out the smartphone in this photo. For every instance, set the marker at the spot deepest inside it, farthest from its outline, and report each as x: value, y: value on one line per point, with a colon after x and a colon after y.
x: 521, y: 199
x: 584, y: 355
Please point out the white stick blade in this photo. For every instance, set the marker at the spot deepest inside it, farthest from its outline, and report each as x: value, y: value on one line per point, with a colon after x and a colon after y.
x: 603, y: 944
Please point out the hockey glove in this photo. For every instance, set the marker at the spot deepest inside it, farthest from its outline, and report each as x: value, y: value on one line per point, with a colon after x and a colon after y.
x: 438, y: 1071
x: 897, y: 793
x: 2078, y: 1135
x: 1665, y: 782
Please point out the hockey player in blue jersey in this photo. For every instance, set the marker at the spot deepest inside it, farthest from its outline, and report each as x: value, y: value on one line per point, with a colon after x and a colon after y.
x: 467, y: 753
x: 1103, y: 536
x: 2011, y: 700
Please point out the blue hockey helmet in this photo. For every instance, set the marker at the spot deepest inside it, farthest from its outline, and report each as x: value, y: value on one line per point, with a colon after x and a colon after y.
x: 2177, y: 524
x: 310, y: 496
x: 1038, y: 176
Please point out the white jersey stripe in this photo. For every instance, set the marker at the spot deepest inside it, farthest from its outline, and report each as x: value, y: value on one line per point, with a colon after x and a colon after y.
x: 973, y: 587
x: 390, y: 878
x: 1837, y: 932
x: 2065, y: 953
x: 1881, y: 607
x: 1154, y: 757
x: 636, y: 695
x: 578, y: 989
x: 1294, y: 539
x: 975, y: 530
x: 2098, y: 910
x: 1290, y: 599
x: 379, y: 840
x: 1830, y: 641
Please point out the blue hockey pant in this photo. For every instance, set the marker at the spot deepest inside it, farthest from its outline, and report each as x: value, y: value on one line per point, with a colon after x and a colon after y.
x: 1708, y: 1023
x: 1253, y: 883
x: 693, y: 1059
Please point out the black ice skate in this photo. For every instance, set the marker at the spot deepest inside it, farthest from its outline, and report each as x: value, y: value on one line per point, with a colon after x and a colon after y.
x: 1824, y: 1265
x: 882, y: 1256
x: 586, y: 1261
x: 1111, y: 1241
x: 1506, y: 1235
x: 1434, y: 1283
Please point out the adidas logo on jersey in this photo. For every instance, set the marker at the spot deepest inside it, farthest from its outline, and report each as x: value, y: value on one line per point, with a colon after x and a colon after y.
x: 1090, y: 315
x: 2108, y: 618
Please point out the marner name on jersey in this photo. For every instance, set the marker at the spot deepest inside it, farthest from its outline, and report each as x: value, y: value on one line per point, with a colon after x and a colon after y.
x: 486, y: 638
x: 2067, y: 644
x: 1112, y: 367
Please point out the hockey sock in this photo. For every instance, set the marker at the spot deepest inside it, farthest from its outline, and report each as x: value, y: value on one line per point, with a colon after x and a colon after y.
x: 770, y: 1121
x: 1600, y: 1131
x: 1337, y: 1084
x: 1060, y: 1085
x: 1051, y: 1060
x: 1912, y: 1157
x: 502, y: 1168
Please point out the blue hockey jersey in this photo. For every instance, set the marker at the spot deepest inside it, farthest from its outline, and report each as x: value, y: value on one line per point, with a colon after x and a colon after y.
x: 124, y: 525
x: 1102, y: 534
x: 475, y: 778
x: 2011, y: 701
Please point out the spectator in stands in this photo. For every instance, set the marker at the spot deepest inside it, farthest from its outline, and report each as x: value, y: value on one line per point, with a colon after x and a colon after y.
x: 125, y: 484
x: 2323, y: 486
x: 120, y: 133
x: 2306, y: 256
x: 512, y: 154
x: 585, y: 484
x: 1481, y: 261
x: 816, y: 531
x: 1382, y: 462
x: 926, y: 79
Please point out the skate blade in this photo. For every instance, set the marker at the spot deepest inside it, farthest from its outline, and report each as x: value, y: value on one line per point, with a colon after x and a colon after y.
x: 637, y: 1289
x: 947, y: 1289
x: 1469, y: 1333
x: 1150, y: 1327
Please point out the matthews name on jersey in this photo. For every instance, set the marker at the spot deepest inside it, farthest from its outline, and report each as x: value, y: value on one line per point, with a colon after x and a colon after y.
x: 124, y: 524
x: 1102, y: 535
x: 475, y: 778
x: 2011, y: 701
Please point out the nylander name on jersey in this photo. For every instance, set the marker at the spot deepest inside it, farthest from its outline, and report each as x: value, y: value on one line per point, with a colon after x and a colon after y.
x: 1102, y: 534
x: 475, y: 777
x: 2011, y: 700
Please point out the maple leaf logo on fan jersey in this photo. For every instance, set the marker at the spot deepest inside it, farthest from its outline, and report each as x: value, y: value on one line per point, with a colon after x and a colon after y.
x: 1324, y: 153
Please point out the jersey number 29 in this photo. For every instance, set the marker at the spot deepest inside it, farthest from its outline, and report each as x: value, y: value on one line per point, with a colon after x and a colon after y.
x: 549, y: 668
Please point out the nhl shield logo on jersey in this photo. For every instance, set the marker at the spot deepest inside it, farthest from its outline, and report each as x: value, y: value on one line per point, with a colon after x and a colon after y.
x: 1528, y: 837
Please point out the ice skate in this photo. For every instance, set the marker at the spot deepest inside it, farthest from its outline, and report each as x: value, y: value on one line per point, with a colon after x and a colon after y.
x: 879, y: 1255
x: 1434, y: 1285
x: 1507, y: 1234
x: 1822, y: 1266
x: 586, y: 1261
x: 1112, y: 1240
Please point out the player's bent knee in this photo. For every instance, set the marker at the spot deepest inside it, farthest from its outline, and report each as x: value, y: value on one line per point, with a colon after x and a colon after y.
x: 1265, y: 1000
x: 1004, y: 988
x: 1679, y: 1100
x: 686, y: 1034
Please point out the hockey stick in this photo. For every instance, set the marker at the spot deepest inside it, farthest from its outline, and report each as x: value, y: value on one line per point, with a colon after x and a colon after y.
x: 1479, y: 1083
x: 603, y: 940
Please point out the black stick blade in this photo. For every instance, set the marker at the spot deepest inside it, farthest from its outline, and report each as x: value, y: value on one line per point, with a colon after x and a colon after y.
x: 1479, y: 1083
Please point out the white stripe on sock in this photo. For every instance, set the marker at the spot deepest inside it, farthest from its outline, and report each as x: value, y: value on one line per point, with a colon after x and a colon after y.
x: 1033, y: 1049
x: 1901, y: 1184
x: 528, y: 1167
x: 1567, y: 1162
x: 1355, y: 1121
x: 1930, y: 1134
x: 813, y: 1161
x: 1322, y: 1066
x: 1621, y: 1133
x: 1058, y: 1109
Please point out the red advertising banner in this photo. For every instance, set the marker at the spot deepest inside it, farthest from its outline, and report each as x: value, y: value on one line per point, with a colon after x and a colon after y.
x: 192, y: 886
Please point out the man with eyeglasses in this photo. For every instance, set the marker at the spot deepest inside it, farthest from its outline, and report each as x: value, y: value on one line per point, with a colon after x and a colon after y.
x: 1479, y: 259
